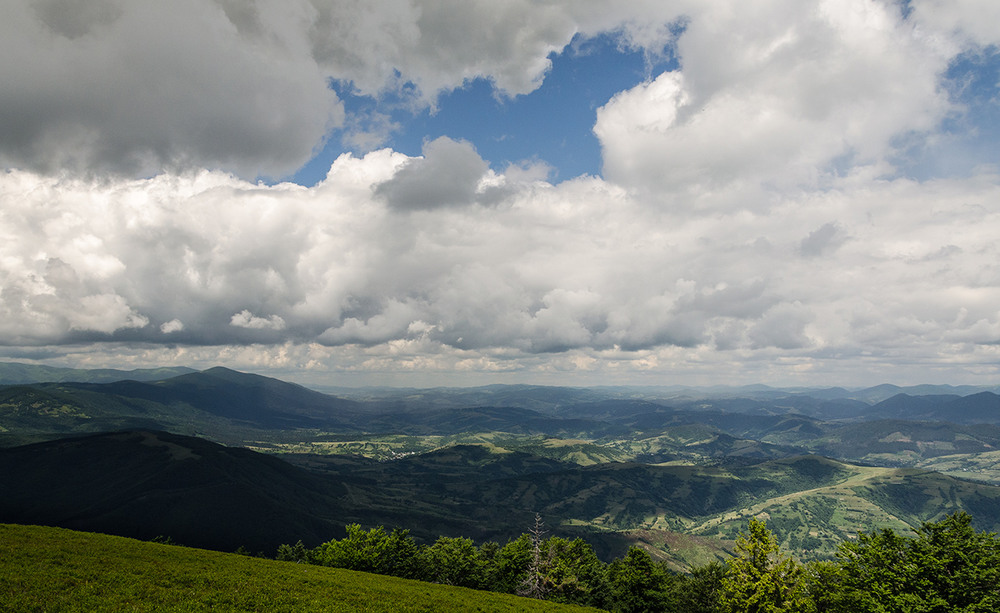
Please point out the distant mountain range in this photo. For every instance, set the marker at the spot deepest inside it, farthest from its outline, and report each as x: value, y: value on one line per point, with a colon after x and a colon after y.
x: 218, y: 403
x: 239, y: 408
x: 525, y: 396
x: 12, y: 373
x: 146, y: 484
x: 548, y: 397
x: 619, y: 465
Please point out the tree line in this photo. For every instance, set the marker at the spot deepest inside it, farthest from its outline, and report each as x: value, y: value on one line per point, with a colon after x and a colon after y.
x: 945, y: 566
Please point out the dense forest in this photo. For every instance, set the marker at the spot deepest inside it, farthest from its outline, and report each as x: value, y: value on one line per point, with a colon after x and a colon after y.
x: 945, y: 566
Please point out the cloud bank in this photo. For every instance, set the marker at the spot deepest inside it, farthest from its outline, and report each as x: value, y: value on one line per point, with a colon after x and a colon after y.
x: 753, y: 222
x: 133, y: 87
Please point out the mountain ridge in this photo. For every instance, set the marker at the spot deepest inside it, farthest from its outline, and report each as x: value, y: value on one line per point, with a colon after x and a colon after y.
x: 147, y: 483
x: 13, y: 373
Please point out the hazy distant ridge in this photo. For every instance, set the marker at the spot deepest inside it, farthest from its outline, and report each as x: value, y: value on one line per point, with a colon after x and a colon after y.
x: 14, y: 373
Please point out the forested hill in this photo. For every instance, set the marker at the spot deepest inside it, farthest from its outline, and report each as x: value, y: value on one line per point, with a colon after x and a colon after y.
x: 677, y: 470
x: 146, y: 483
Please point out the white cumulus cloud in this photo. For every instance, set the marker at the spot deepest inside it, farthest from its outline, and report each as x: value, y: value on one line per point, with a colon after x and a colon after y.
x: 754, y: 218
x: 246, y: 319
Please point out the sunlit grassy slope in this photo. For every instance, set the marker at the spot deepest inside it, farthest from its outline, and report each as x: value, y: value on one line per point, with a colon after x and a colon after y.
x: 51, y: 569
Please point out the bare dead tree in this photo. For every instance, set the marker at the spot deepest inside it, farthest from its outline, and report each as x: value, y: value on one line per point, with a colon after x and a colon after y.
x: 534, y: 585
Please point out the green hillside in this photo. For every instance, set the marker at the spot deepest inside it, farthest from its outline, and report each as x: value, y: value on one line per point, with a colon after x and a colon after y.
x: 51, y: 569
x: 143, y: 484
x: 615, y: 467
x: 217, y: 403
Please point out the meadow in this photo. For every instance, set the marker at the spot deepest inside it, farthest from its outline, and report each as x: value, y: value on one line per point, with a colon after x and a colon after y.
x: 56, y: 570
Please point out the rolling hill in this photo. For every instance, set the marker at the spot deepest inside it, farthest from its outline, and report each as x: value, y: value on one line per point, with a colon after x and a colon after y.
x: 260, y: 401
x: 144, y: 484
x: 615, y: 465
x: 218, y: 403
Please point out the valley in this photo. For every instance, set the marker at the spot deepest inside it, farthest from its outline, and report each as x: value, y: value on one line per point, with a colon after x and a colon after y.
x: 222, y: 459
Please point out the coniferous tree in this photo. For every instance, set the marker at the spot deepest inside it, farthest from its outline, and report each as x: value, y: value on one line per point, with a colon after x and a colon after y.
x: 946, y: 567
x: 509, y: 566
x: 825, y: 584
x: 573, y: 573
x: 292, y: 553
x: 638, y: 584
x: 699, y: 591
x: 760, y: 579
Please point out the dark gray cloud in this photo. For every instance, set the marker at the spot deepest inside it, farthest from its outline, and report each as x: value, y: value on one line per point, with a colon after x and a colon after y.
x: 823, y: 240
x: 137, y: 87
x: 448, y: 174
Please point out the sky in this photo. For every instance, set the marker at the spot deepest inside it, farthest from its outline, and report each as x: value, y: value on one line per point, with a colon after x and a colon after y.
x: 465, y: 192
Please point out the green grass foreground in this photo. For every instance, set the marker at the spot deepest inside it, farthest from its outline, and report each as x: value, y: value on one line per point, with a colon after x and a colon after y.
x: 51, y: 569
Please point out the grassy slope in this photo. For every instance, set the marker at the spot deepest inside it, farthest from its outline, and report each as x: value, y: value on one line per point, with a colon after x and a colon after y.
x: 810, y: 523
x: 51, y: 569
x: 983, y: 467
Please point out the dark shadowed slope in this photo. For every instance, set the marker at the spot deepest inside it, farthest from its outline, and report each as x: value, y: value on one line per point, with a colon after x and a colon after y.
x: 145, y: 484
x: 219, y: 403
x: 256, y: 399
x: 980, y: 408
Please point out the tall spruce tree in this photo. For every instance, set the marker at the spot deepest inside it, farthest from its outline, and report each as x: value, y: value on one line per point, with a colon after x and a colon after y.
x: 760, y: 579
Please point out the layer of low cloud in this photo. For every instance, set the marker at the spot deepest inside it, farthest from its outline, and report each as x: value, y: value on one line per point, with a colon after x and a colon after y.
x: 752, y: 219
x: 577, y: 270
